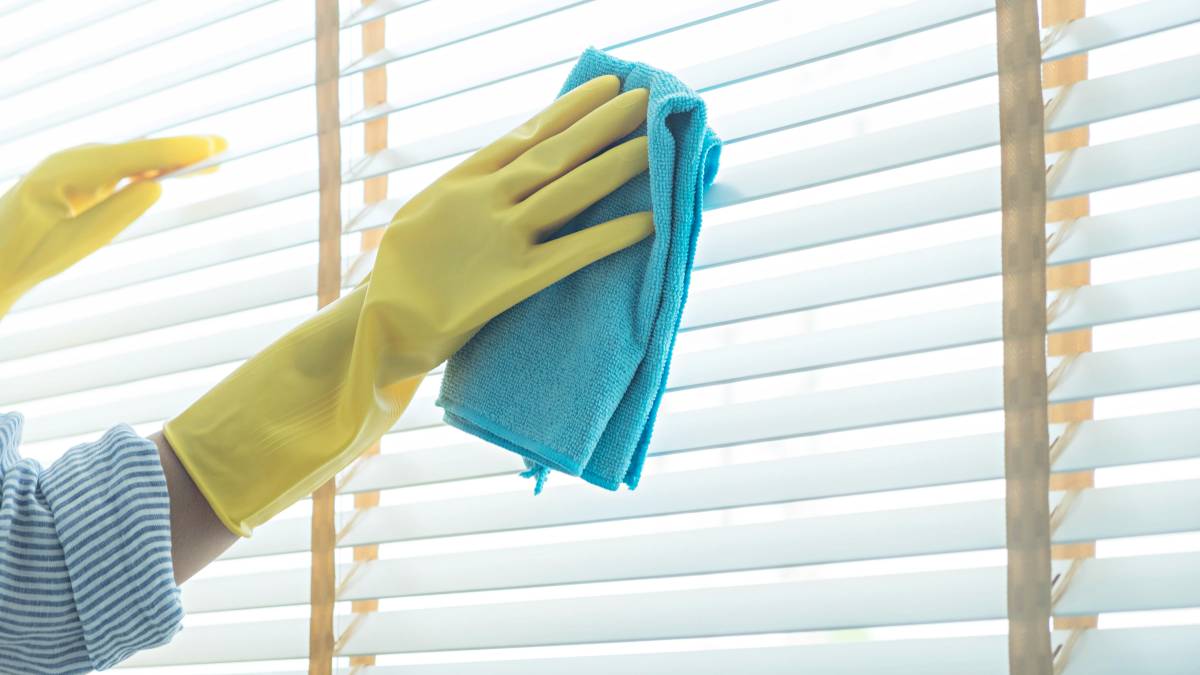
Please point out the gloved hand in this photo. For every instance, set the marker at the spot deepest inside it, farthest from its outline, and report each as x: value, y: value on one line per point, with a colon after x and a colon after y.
x: 65, y: 208
x: 462, y: 251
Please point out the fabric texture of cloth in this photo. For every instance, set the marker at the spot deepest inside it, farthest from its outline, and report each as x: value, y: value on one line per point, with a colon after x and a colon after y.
x: 86, y: 577
x: 571, y: 379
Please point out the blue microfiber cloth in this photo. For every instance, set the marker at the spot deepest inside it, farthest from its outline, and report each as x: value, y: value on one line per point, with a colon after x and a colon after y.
x: 571, y: 378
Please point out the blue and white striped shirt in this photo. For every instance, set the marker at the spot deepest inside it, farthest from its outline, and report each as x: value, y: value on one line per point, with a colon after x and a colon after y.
x: 85, y: 555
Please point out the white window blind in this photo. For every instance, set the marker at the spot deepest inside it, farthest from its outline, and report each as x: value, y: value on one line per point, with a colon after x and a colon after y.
x: 825, y: 488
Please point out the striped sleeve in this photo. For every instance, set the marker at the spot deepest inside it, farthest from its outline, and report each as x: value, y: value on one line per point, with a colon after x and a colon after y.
x: 85, y: 555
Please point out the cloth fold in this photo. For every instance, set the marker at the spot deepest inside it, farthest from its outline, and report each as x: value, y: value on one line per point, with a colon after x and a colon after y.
x: 571, y: 379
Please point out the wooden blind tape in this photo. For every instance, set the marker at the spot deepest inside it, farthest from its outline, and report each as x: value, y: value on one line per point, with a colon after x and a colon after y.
x: 1023, y: 254
x: 374, y: 190
x: 329, y: 283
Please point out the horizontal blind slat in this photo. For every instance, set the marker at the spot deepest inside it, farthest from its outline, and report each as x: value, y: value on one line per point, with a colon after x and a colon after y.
x: 1132, y: 584
x: 628, y: 33
x: 1155, y: 437
x: 160, y: 35
x: 1091, y: 168
x: 824, y: 43
x: 1170, y: 507
x: 145, y: 362
x: 606, y: 37
x: 1161, y: 650
x: 948, y: 528
x: 1128, y: 370
x: 749, y: 124
x: 955, y: 656
x: 377, y: 10
x: 1088, y: 102
x: 1138, y: 20
x: 952, y: 263
x: 461, y: 30
x: 1129, y: 161
x: 1107, y: 303
x: 71, y: 286
x: 1090, y: 306
x: 71, y: 23
x: 173, y: 78
x: 1132, y: 369
x: 751, y: 238
x: 264, y: 641
x: 821, y: 604
x: 913, y: 270
x: 1104, y: 29
x: 258, y: 50
x: 702, y: 551
x: 801, y: 541
x: 828, y: 42
x: 975, y: 193
x: 1081, y: 98
x: 883, y: 26
x: 10, y: 6
x: 1095, y: 444
x: 1134, y: 91
x: 1092, y: 236
x: 1170, y: 222
x: 782, y: 114
x: 288, y: 284
x: 958, y: 595
x: 285, y: 83
x: 838, y: 99
x: 1165, y: 650
x: 790, y: 171
x: 959, y: 196
x: 277, y: 190
x: 1088, y: 237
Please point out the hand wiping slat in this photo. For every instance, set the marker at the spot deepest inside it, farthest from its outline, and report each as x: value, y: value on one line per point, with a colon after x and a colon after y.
x: 571, y: 378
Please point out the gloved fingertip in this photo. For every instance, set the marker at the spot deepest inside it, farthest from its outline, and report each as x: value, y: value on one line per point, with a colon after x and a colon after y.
x: 607, y: 83
x: 217, y: 144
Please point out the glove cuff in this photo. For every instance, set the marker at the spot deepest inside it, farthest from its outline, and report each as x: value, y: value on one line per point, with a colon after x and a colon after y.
x: 289, y: 419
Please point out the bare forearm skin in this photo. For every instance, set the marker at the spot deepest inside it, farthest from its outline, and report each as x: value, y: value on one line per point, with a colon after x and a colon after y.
x: 197, y: 535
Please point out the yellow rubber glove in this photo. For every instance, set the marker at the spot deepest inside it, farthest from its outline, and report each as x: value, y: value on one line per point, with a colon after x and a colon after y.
x: 65, y: 208
x: 462, y: 251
